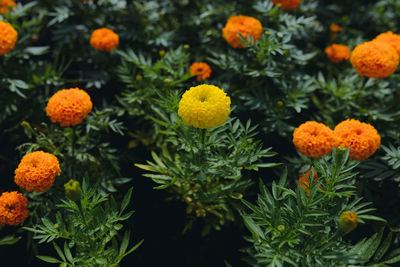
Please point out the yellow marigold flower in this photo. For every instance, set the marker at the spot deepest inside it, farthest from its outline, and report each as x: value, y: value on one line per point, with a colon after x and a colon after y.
x: 362, y: 138
x: 204, y: 106
x: 335, y: 28
x: 8, y: 37
x: 104, y: 39
x: 287, y: 4
x: 303, y: 181
x: 6, y: 5
x: 248, y: 27
x: 391, y: 39
x: 201, y: 69
x: 374, y: 59
x: 314, y: 139
x: 337, y: 53
x: 348, y: 221
x: 69, y: 107
x: 13, y: 208
x: 37, y: 171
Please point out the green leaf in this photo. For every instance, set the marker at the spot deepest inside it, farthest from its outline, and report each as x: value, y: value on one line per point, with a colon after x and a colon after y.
x: 384, y: 247
x: 67, y: 253
x: 9, y: 240
x: 134, y: 248
x: 126, y: 200
x: 59, y: 251
x: 393, y: 256
x: 49, y: 259
x: 124, y: 243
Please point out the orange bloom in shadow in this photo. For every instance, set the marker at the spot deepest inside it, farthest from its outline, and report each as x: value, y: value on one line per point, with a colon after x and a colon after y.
x: 337, y: 53
x: 391, y: 39
x: 287, y: 4
x: 8, y: 37
x: 303, y: 181
x: 69, y: 107
x: 362, y: 138
x: 335, y: 28
x: 314, y: 139
x: 13, y: 208
x: 201, y: 70
x: 104, y: 39
x: 374, y: 59
x: 37, y: 171
x: 248, y: 27
x: 7, y: 5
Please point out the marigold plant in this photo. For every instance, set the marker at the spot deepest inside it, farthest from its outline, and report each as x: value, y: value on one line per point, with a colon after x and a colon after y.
x: 13, y: 208
x: 391, y: 39
x: 287, y: 4
x: 37, y: 171
x: 337, y: 53
x: 7, y: 5
x: 248, y: 27
x: 362, y: 138
x: 201, y: 69
x: 335, y: 28
x: 8, y: 37
x: 104, y: 39
x: 204, y: 106
x: 374, y: 59
x: 348, y: 221
x: 314, y: 139
x: 69, y: 107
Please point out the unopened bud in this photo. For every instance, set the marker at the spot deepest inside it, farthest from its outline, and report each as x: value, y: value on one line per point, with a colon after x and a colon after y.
x: 161, y: 52
x: 348, y: 221
x: 73, y: 190
x: 26, y: 125
x: 281, y: 228
x: 139, y: 77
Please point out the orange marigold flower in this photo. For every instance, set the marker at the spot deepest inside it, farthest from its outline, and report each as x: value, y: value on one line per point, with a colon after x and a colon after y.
x: 69, y: 107
x: 8, y: 37
x: 314, y: 139
x: 362, y: 138
x: 337, y: 53
x: 287, y: 4
x: 303, y: 181
x: 335, y: 28
x: 248, y: 27
x: 6, y: 5
x: 374, y: 59
x: 37, y: 171
x: 201, y: 69
x: 13, y: 208
x: 391, y: 39
x: 104, y: 39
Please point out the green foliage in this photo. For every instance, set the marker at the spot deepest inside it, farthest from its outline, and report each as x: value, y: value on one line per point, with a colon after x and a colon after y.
x: 297, y: 227
x: 207, y: 168
x: 88, y: 228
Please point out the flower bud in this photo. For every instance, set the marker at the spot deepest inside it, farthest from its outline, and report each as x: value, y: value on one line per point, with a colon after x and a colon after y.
x: 348, y: 221
x: 73, y: 190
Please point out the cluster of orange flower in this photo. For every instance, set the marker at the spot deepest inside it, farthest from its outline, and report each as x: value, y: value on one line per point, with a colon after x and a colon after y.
x: 315, y: 139
x: 378, y: 58
x: 337, y: 52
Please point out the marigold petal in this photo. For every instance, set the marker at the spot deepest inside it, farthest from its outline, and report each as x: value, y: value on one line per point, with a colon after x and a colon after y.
x: 13, y: 208
x: 245, y: 25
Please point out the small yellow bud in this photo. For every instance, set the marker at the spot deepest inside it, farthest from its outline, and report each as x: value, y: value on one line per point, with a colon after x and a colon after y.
x: 186, y: 46
x: 167, y: 80
x: 26, y: 125
x: 281, y: 228
x: 348, y: 221
x: 73, y: 190
x: 139, y: 77
x: 280, y: 103
x: 161, y: 53
x: 56, y: 225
